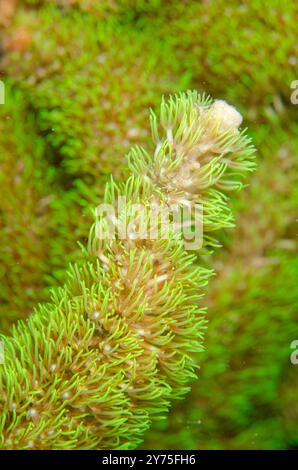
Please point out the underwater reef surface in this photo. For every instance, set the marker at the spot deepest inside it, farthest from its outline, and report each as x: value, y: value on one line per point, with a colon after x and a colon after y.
x: 81, y: 75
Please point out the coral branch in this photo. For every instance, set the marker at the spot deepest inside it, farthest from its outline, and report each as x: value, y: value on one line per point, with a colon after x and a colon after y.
x: 118, y: 342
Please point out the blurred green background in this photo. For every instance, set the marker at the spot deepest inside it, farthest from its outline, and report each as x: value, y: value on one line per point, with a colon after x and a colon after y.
x: 79, y: 77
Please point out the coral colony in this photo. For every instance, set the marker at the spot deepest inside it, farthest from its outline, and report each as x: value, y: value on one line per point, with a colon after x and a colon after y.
x: 117, y: 343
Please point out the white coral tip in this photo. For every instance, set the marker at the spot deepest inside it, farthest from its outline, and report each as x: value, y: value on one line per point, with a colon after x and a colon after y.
x: 226, y: 115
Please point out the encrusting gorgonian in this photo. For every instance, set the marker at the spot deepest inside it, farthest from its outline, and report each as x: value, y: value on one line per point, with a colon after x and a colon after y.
x: 117, y: 343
